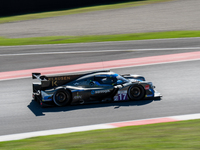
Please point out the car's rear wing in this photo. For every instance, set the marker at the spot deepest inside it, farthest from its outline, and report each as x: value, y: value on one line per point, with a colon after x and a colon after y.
x: 54, y: 81
x: 39, y: 77
x: 36, y: 75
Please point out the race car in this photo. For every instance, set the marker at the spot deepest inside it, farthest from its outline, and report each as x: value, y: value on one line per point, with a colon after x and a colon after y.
x: 98, y: 86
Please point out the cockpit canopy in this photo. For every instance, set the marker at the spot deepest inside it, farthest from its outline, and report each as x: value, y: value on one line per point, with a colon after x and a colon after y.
x: 110, y: 79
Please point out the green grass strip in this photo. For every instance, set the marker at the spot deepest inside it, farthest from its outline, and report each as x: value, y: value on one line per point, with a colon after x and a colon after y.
x: 183, y: 135
x: 76, y: 11
x: 96, y: 38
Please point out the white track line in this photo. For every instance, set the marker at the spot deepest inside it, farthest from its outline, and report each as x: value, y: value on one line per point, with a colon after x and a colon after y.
x: 87, y: 128
x: 101, y: 51
x: 53, y: 132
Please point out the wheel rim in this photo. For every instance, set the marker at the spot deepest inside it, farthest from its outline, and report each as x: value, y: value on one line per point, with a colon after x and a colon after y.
x: 135, y: 91
x: 61, y: 97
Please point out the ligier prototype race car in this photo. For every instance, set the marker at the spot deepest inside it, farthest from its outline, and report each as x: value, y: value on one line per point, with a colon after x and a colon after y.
x: 98, y: 86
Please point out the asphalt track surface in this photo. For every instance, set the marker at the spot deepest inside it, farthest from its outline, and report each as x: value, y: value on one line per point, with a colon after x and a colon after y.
x: 178, y: 82
x: 30, y: 57
x: 166, y: 16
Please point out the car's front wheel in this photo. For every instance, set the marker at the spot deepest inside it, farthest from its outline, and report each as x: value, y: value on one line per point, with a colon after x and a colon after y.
x: 136, y: 92
x: 62, y: 97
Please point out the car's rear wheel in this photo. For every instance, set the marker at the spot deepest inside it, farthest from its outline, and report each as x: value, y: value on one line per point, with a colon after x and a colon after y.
x: 62, y: 97
x: 136, y: 92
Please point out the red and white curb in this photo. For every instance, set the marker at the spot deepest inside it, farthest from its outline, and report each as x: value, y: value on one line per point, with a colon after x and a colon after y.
x: 113, y: 64
x: 98, y: 126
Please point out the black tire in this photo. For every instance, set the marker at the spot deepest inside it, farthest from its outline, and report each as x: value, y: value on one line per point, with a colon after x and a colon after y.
x: 62, y: 97
x: 136, y: 92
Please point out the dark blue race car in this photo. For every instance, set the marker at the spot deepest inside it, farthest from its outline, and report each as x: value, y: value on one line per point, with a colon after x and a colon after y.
x: 98, y: 86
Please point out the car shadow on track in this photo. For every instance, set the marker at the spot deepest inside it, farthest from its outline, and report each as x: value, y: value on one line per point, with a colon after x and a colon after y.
x: 38, y: 111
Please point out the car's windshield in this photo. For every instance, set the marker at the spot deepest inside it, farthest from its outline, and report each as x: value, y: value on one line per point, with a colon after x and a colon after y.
x: 111, y: 79
x: 121, y: 80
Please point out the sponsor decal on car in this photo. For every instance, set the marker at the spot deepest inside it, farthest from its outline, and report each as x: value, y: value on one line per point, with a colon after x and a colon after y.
x: 59, y: 78
x: 78, y: 97
x: 47, y: 98
x: 93, y: 92
x: 121, y: 96
x: 146, y: 87
x: 151, y: 95
x: 100, y: 92
x: 54, y: 83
